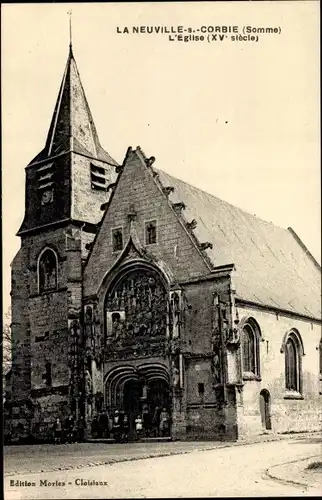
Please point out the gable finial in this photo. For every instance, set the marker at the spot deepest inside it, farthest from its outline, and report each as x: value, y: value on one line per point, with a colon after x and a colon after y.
x: 70, y: 30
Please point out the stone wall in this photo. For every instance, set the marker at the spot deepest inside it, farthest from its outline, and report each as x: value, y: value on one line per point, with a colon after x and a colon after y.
x: 211, y: 410
x: 174, y: 247
x: 198, y: 316
x: 37, y: 215
x: 40, y: 328
x: 20, y: 327
x: 86, y: 202
x: 286, y: 414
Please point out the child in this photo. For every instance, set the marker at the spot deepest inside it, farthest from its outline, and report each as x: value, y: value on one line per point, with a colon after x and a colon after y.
x: 58, y: 429
x: 138, y: 425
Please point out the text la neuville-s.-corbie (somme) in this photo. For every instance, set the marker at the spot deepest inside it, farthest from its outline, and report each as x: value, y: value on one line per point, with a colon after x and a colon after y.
x: 205, y: 29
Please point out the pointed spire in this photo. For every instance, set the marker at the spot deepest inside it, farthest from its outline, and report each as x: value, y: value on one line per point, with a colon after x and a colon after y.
x: 72, y: 126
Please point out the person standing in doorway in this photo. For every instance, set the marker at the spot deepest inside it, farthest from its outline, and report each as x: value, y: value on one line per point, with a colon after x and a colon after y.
x: 146, y: 421
x: 69, y: 428
x: 138, y: 426
x: 58, y: 431
x: 125, y: 427
x: 164, y: 423
x: 94, y: 427
x: 156, y: 422
x: 105, y: 424
x: 117, y: 427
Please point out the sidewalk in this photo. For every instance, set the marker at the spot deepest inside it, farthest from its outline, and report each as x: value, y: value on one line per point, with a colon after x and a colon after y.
x: 296, y: 473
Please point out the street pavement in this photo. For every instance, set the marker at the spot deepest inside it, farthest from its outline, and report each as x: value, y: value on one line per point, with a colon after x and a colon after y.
x: 48, y: 457
x: 37, y: 458
x: 195, y: 472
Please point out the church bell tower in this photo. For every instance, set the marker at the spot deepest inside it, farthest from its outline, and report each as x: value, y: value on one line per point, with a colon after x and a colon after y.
x: 66, y: 184
x: 68, y: 180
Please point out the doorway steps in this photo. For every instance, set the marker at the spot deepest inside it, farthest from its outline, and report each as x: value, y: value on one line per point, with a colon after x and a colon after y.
x: 156, y: 439
x: 141, y: 440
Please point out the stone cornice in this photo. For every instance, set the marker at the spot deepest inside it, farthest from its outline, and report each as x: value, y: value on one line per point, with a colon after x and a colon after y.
x: 276, y: 310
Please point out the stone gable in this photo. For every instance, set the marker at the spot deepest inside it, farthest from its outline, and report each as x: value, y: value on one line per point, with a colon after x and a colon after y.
x: 137, y: 191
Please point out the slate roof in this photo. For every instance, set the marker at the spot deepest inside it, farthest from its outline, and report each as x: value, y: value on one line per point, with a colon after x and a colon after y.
x: 273, y: 268
x: 72, y: 127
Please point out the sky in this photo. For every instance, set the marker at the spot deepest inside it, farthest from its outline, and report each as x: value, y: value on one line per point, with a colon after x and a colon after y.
x: 237, y: 119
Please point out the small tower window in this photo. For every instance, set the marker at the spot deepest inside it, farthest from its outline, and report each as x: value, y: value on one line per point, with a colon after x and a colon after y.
x: 47, y: 377
x: 201, y: 389
x: 45, y: 180
x: 99, y: 178
x: 150, y: 232
x: 117, y: 237
x: 47, y: 271
x: 40, y: 338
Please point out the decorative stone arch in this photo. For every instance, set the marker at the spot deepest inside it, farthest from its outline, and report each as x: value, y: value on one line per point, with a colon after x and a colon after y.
x: 137, y: 264
x: 250, y: 361
x: 138, y: 258
x: 133, y: 251
x: 117, y: 377
x: 47, y: 270
x: 136, y: 274
x: 253, y: 322
x: 295, y: 334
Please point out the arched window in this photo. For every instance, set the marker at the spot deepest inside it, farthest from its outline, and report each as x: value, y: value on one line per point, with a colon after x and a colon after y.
x: 291, y: 375
x: 248, y: 349
x: 47, y: 271
x: 293, y: 351
x: 250, y: 337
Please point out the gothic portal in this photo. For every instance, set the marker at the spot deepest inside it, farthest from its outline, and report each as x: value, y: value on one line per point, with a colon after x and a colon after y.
x: 139, y: 319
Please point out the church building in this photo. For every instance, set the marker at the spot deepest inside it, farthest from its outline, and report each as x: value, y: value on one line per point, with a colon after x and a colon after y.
x: 134, y: 290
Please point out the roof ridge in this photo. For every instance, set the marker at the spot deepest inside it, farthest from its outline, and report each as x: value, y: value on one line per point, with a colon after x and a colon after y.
x: 93, y: 131
x: 54, y: 120
x: 304, y: 247
x: 147, y: 163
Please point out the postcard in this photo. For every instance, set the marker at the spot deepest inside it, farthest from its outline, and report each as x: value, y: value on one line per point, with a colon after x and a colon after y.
x: 161, y: 242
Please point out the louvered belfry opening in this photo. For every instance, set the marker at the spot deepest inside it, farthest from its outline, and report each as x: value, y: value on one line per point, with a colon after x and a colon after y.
x: 45, y: 178
x: 99, y: 178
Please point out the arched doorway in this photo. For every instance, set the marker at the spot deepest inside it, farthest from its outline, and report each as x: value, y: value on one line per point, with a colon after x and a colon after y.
x: 130, y: 402
x: 265, y: 409
x: 140, y: 397
x: 139, y: 390
x: 138, y: 323
x: 158, y: 394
